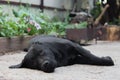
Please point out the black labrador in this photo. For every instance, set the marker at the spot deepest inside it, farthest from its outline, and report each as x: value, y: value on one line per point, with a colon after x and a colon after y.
x: 46, y: 53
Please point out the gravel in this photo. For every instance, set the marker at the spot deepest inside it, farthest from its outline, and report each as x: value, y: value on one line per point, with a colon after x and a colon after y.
x: 73, y: 72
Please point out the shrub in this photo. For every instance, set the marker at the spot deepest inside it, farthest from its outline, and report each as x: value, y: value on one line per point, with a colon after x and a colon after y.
x: 24, y: 22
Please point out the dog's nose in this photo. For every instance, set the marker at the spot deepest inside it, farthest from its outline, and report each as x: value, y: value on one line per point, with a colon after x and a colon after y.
x: 46, y: 64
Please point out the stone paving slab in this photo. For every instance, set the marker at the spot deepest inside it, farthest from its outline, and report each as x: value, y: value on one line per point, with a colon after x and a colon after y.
x: 74, y: 72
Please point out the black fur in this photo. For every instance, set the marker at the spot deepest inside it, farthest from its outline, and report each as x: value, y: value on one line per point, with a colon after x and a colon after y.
x: 46, y: 53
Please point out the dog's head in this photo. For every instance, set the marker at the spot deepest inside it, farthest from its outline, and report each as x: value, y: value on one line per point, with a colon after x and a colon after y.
x: 40, y: 57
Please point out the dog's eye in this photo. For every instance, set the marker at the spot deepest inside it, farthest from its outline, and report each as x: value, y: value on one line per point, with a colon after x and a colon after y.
x: 41, y: 53
x: 40, y: 50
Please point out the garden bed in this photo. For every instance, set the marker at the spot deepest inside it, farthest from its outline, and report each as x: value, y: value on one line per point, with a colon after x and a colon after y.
x: 84, y: 34
x: 110, y: 33
x: 113, y: 33
x: 13, y: 44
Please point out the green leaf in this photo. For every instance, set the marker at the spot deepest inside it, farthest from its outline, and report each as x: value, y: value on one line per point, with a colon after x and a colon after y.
x: 2, y: 34
x: 15, y: 13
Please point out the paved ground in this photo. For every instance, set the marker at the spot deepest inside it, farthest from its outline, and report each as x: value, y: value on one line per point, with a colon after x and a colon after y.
x: 74, y: 72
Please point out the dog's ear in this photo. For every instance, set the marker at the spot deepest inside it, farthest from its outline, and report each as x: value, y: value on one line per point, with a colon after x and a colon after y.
x: 35, y: 50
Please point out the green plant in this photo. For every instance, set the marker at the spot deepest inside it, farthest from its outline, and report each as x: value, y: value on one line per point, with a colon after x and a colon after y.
x: 5, y: 30
x: 78, y: 25
x: 57, y: 28
x: 24, y: 22
x: 95, y: 12
x: 115, y: 22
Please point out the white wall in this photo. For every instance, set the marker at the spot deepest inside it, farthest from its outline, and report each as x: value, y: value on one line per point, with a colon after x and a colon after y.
x: 8, y: 9
x: 54, y: 13
x: 27, y: 1
x: 62, y: 4
x: 91, y: 3
x: 67, y: 4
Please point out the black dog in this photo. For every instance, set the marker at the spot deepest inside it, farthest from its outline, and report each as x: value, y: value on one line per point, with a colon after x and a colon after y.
x: 46, y: 53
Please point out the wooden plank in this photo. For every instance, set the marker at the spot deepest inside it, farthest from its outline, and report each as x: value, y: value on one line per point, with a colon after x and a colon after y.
x: 13, y: 44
